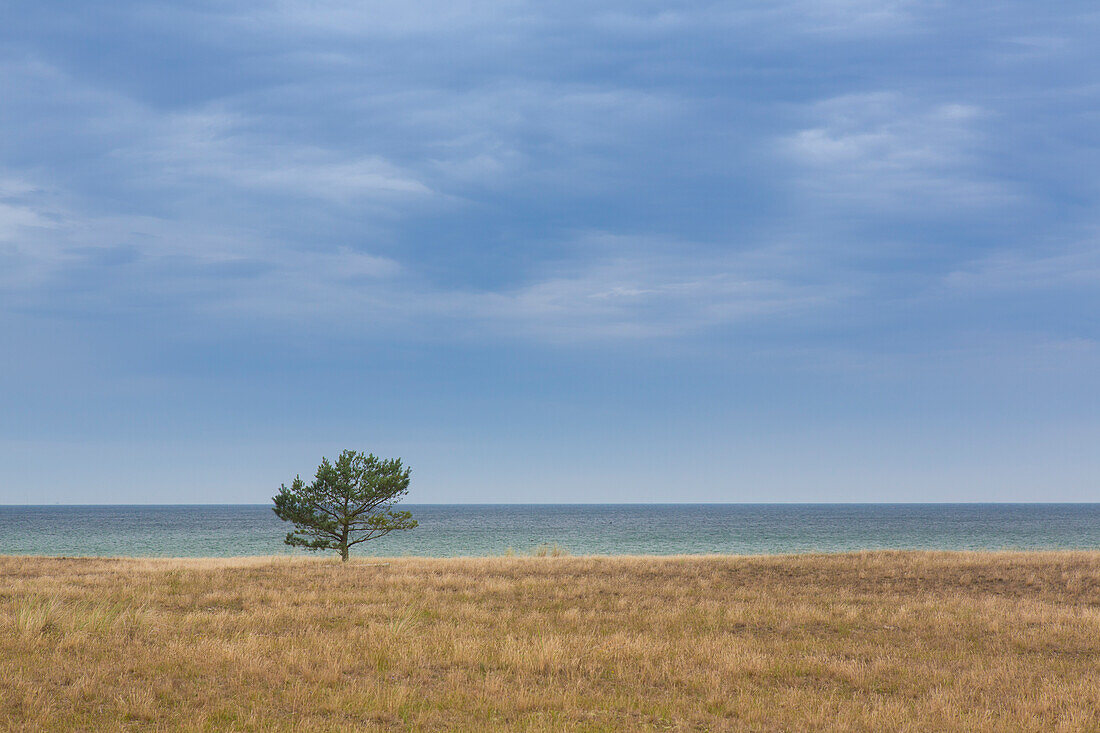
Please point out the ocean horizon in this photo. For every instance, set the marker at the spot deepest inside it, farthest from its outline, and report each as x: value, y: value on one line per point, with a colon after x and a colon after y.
x: 450, y: 530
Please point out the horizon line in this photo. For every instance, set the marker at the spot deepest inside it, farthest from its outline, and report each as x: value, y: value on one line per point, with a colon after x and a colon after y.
x: 594, y: 503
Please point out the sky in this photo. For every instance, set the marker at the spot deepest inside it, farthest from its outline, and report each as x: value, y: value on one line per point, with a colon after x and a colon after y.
x: 839, y: 250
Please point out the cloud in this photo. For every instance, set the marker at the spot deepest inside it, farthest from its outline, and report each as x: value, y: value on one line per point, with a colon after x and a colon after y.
x: 212, y: 145
x: 430, y: 163
x: 1063, y: 268
x: 633, y: 300
x: 373, y: 19
x: 632, y: 287
x: 512, y: 19
x: 11, y: 187
x: 24, y: 219
x: 853, y: 17
x: 883, y: 149
x: 15, y: 218
x: 624, y: 287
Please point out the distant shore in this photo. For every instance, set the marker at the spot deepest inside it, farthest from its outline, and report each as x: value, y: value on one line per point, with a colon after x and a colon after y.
x: 546, y: 552
x: 874, y: 640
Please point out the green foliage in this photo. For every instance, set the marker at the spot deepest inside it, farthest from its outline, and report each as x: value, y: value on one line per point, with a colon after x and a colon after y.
x: 348, y: 502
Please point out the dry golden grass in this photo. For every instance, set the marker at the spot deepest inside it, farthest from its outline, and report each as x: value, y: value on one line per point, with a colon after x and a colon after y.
x: 871, y: 641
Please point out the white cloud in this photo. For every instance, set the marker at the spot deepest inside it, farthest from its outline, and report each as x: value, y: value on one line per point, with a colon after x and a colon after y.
x: 634, y: 288
x: 221, y: 145
x: 14, y: 218
x: 519, y: 134
x: 46, y: 237
x: 884, y: 150
x: 638, y: 287
x: 26, y: 225
x: 213, y: 143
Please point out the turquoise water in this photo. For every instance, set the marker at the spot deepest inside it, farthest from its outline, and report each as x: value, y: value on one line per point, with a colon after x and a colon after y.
x: 450, y: 530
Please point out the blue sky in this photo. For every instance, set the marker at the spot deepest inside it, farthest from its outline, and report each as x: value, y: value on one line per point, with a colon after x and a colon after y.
x: 842, y: 250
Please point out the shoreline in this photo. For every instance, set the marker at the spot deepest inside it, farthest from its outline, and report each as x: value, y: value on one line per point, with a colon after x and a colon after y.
x: 358, y: 559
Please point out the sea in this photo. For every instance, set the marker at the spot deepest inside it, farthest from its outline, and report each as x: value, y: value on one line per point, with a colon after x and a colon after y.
x: 579, y: 529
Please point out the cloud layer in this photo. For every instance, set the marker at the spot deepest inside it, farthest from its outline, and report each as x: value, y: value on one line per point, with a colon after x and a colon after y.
x: 459, y: 157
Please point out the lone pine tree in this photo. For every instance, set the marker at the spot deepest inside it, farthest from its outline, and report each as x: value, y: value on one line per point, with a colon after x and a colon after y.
x: 349, y: 502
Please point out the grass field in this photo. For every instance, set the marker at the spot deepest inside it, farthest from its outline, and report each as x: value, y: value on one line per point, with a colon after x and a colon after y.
x: 872, y: 641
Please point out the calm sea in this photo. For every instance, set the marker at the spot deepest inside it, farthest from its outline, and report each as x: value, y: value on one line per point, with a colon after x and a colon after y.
x: 449, y: 530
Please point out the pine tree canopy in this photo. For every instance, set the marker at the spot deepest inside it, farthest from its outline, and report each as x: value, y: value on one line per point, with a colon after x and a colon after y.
x: 349, y: 502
